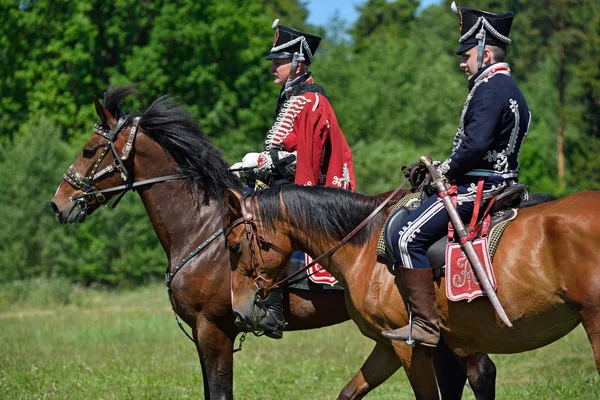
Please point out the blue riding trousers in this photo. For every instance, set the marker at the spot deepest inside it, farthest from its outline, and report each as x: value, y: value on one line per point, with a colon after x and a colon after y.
x: 429, y: 222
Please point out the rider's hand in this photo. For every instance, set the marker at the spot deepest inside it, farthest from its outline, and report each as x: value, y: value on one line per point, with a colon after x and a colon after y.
x: 237, y: 169
x: 416, y: 173
x: 250, y: 160
x: 265, y: 162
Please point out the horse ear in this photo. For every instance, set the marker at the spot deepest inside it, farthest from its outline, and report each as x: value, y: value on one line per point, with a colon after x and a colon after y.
x: 232, y: 199
x: 108, y: 120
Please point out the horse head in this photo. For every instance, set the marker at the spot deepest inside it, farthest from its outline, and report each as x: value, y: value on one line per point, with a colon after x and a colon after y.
x: 257, y: 259
x: 169, y: 146
x: 104, y: 168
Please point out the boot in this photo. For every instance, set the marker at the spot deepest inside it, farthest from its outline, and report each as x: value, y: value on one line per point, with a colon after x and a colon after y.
x: 419, y: 293
x: 274, y: 322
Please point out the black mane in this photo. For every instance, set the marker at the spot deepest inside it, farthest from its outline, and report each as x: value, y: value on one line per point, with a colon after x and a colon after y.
x: 114, y: 96
x: 331, y: 212
x: 170, y: 125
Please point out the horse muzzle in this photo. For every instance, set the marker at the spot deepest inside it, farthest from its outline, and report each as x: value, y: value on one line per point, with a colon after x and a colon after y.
x: 75, y: 212
x: 252, y: 318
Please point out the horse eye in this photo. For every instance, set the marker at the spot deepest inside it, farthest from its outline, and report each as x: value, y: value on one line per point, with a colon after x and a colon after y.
x: 235, y: 248
x: 88, y: 153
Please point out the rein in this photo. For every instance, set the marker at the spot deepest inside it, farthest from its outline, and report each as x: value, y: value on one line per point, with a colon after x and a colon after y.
x: 89, y: 190
x: 286, y: 281
x: 253, y: 236
x: 169, y: 276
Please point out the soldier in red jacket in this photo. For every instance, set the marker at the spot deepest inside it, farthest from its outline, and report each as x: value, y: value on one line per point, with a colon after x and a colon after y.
x: 305, y: 145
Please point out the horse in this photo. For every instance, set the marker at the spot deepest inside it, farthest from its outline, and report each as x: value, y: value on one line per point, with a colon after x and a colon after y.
x: 180, y: 177
x: 547, y: 268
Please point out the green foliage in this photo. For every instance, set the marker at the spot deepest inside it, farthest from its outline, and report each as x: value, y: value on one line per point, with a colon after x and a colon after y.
x: 392, y: 18
x: 29, y: 171
x: 114, y: 248
x: 395, y: 95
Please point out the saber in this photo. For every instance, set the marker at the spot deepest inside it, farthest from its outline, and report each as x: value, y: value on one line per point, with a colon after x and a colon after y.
x: 241, y: 169
x: 440, y: 186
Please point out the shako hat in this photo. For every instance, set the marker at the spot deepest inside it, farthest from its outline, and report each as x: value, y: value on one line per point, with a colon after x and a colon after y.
x: 288, y: 41
x: 479, y: 27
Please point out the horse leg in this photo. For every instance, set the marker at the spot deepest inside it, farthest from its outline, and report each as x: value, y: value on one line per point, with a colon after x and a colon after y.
x: 418, y: 363
x: 451, y: 375
x: 453, y: 367
x: 590, y: 319
x: 379, y: 366
x: 215, y: 350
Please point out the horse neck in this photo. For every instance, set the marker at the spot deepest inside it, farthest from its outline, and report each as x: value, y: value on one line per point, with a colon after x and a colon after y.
x: 177, y: 212
x: 341, y: 263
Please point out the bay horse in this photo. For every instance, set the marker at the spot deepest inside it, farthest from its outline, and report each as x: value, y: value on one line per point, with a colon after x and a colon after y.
x: 180, y: 177
x: 547, y: 270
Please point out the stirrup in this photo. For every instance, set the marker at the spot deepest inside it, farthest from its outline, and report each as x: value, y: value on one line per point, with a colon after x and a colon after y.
x: 410, y: 342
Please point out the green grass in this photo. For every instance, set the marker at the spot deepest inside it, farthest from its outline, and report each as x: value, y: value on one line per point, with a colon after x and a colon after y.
x: 126, y: 345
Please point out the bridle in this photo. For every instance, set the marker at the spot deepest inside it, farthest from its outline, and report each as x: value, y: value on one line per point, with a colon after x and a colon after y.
x: 91, y: 193
x: 256, y: 240
x: 86, y: 184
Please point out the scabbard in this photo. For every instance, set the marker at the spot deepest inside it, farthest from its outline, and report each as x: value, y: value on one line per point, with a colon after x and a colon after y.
x: 459, y: 227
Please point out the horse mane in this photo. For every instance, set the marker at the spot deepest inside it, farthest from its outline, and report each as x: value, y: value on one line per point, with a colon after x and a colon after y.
x: 331, y: 212
x: 175, y: 130
x: 113, y: 97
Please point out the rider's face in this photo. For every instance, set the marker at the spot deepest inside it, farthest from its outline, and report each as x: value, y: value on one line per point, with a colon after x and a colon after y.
x: 469, y: 62
x: 280, y: 68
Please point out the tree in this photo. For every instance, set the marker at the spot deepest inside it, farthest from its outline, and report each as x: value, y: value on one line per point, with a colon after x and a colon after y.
x: 30, y: 170
x: 383, y: 15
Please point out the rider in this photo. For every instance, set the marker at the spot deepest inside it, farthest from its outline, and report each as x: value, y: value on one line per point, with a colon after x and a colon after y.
x: 493, y: 124
x: 305, y: 145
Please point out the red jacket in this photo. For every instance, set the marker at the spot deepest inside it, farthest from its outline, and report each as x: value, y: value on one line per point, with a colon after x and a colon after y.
x: 306, y: 124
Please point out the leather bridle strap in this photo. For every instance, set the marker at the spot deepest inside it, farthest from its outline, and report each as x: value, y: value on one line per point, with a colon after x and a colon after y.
x: 133, y: 185
x: 86, y: 184
x: 285, y: 281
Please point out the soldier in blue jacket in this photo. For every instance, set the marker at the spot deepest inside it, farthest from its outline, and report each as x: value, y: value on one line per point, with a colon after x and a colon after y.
x: 493, y: 124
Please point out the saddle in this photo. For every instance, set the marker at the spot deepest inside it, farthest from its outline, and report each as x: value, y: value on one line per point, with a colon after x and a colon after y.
x: 502, y: 211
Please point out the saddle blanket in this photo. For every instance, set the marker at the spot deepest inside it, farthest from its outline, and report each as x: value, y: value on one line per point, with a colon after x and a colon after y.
x: 317, y: 279
x: 461, y: 282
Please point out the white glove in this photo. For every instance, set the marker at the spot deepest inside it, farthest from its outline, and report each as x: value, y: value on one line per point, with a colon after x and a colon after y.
x: 237, y: 166
x: 265, y: 163
x: 250, y: 160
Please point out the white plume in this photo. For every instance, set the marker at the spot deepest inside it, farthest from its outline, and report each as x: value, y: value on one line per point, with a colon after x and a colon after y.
x: 454, y: 7
x: 275, y: 23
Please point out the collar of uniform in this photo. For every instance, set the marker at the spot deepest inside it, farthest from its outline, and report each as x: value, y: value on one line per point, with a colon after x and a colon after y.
x: 488, y: 72
x: 289, y: 86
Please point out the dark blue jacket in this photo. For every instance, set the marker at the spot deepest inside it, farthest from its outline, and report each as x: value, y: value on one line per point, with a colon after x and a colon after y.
x: 494, y: 122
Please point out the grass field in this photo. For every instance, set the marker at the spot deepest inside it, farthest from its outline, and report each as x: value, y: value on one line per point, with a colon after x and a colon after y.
x: 88, y: 344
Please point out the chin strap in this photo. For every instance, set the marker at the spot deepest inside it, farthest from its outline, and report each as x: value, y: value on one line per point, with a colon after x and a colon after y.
x: 298, y: 56
x: 480, y: 47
